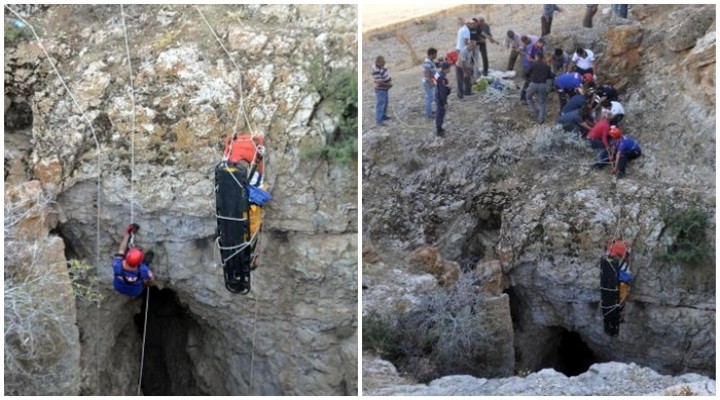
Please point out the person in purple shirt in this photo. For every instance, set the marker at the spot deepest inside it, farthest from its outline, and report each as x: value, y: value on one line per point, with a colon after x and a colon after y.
x: 528, y: 42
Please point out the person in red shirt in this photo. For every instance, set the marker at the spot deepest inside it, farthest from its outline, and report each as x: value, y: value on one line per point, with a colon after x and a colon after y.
x: 598, y: 136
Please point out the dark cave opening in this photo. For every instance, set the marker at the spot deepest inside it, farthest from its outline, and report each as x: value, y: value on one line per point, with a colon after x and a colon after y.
x: 569, y: 355
x: 168, y: 369
x: 18, y: 116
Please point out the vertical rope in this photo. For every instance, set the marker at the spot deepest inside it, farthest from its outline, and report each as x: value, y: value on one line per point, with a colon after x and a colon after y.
x: 142, y: 354
x: 252, y: 354
x: 242, y: 98
x: 99, y: 177
x: 132, y: 134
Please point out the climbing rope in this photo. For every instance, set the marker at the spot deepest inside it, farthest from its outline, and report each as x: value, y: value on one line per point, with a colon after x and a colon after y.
x: 252, y: 351
x: 241, y: 106
x: 132, y: 189
x: 142, y: 353
x: 132, y: 134
x: 99, y: 176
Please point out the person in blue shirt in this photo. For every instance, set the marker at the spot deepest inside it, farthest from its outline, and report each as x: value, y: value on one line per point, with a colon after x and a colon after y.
x: 578, y: 101
x: 441, y: 95
x: 131, y: 270
x: 568, y: 84
x: 624, y: 149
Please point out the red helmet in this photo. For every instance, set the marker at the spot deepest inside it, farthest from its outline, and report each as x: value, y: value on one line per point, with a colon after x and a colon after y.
x: 615, y: 132
x: 134, y: 257
x: 617, y: 248
x: 588, y: 77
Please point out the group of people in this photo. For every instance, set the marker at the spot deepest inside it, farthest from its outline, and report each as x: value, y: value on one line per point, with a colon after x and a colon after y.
x: 591, y: 110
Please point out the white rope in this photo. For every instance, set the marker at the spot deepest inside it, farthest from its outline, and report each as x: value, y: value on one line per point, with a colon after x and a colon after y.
x: 132, y: 135
x: 132, y: 187
x: 142, y: 356
x: 252, y: 346
x: 99, y: 177
x: 242, y: 97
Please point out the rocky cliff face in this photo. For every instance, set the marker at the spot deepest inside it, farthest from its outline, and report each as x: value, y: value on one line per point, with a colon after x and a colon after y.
x: 500, y: 187
x: 296, y: 332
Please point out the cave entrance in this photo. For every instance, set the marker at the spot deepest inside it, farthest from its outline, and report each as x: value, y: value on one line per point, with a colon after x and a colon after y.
x: 168, y: 369
x: 570, y: 355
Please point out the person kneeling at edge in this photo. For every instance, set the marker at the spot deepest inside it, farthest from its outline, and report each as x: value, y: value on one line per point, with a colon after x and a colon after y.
x: 623, y: 149
x: 131, y: 270
x: 442, y: 91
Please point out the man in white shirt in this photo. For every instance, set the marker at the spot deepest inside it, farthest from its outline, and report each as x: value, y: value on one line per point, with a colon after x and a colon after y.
x: 463, y: 37
x: 582, y: 61
x: 614, y: 111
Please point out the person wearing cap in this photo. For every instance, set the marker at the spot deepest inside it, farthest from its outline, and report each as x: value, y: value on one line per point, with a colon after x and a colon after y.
x: 131, y: 269
x: 624, y: 149
x: 608, y: 92
x: 441, y: 96
x: 483, y: 35
x: 582, y: 61
x: 512, y: 42
x: 614, y: 111
x: 429, y: 69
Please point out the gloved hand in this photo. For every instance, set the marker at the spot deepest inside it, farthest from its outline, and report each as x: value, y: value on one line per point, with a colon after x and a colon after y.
x: 132, y: 228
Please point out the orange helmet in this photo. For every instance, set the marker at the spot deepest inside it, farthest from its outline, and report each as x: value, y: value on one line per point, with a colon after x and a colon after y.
x: 615, y: 132
x: 588, y: 77
x: 134, y: 257
x: 617, y: 248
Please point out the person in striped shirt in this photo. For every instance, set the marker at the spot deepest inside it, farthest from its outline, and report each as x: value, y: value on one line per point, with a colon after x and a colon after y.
x: 428, y: 81
x: 382, y: 83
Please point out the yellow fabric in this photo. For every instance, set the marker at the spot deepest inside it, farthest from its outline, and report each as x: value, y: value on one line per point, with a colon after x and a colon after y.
x: 255, y: 218
x: 624, y: 290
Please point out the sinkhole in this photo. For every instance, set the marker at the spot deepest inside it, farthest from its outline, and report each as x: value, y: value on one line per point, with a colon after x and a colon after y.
x: 18, y: 116
x: 167, y: 369
x: 568, y: 353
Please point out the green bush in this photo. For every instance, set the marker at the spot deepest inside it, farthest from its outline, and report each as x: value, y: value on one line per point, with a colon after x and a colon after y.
x: 688, y: 226
x: 378, y: 335
x: 340, y: 88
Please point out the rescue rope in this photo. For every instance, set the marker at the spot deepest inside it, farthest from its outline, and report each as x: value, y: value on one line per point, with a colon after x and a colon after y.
x: 241, y: 106
x: 99, y: 176
x: 252, y: 351
x: 132, y: 189
x: 132, y: 134
x: 142, y: 353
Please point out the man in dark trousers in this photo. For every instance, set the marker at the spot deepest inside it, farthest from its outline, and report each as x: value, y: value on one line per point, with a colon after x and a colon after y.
x: 547, y: 17
x: 538, y: 75
x: 590, y: 11
x: 483, y: 35
x: 464, y: 70
x: 442, y: 91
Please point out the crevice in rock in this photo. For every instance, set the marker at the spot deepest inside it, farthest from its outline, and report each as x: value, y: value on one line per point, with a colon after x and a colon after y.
x: 18, y: 116
x: 168, y: 369
x: 482, y: 239
x: 567, y: 353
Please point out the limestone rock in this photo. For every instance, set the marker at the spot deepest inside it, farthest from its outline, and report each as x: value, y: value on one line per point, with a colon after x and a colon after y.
x: 686, y: 26
x: 295, y: 331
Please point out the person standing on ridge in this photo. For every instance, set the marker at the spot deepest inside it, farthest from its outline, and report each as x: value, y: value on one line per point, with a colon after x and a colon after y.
x: 383, y: 83
x: 590, y: 11
x: 442, y: 93
x: 538, y: 75
x: 429, y: 69
x: 547, y: 17
x: 484, y: 34
x: 464, y: 70
x: 512, y: 42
